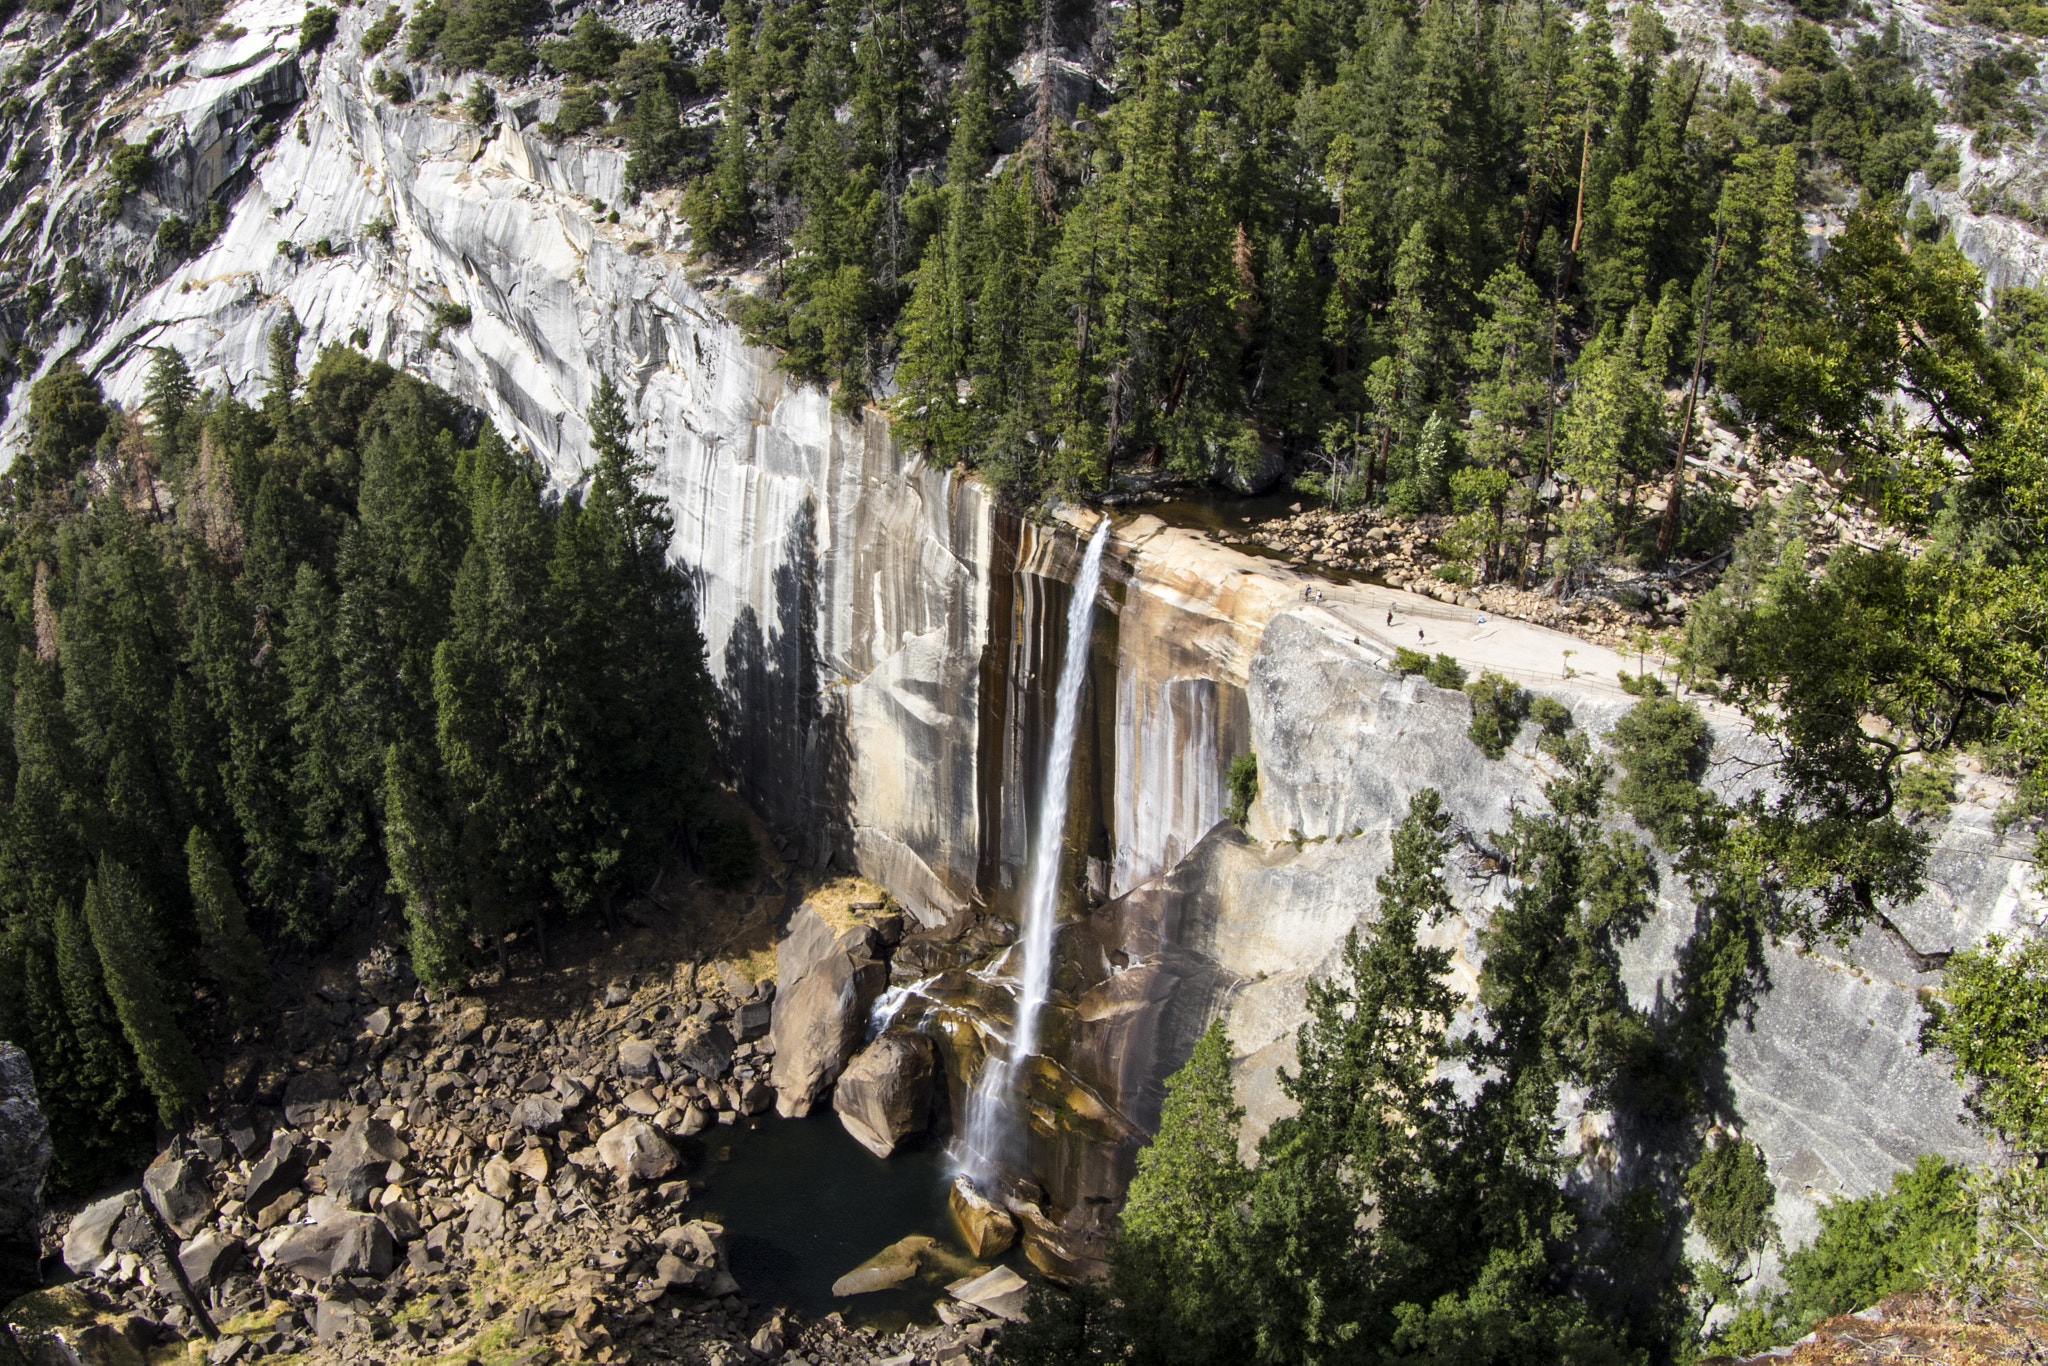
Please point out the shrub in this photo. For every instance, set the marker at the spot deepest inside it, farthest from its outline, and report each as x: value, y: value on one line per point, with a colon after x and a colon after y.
x: 109, y: 61
x: 173, y: 236
x: 184, y: 40
x: 451, y: 315
x: 1443, y: 671
x: 1243, y: 784
x: 1642, y: 684
x: 1662, y: 745
x: 582, y: 110
x: 130, y: 164
x: 1552, y: 715
x: 1498, y: 707
x: 316, y: 30
x: 392, y: 85
x: 378, y: 36
x: 482, y: 105
x: 730, y: 854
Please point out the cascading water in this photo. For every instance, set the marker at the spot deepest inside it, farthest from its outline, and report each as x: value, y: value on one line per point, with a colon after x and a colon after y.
x: 992, y: 1120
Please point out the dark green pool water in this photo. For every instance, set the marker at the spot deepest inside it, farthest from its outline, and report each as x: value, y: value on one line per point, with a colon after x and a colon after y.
x: 803, y: 1204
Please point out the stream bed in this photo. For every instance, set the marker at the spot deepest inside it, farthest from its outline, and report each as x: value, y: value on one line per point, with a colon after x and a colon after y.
x: 803, y: 1204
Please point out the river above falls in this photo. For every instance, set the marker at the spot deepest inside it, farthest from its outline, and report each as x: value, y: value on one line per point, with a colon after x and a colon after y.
x: 803, y: 1204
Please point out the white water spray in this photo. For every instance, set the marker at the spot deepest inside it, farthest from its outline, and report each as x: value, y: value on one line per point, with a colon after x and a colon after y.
x: 992, y: 1121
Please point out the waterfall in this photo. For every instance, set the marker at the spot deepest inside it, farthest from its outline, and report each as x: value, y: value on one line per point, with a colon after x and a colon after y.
x: 993, y: 1130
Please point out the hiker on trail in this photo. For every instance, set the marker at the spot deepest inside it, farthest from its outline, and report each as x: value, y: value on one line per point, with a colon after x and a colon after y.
x: 1390, y: 616
x: 1418, y: 633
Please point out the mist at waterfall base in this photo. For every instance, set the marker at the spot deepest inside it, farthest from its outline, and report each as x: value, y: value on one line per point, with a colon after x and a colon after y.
x: 991, y: 1145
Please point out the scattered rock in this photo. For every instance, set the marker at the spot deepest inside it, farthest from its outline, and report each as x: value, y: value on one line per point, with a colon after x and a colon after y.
x: 281, y: 1170
x: 346, y: 1244
x: 705, y: 1050
x: 637, y: 1058
x: 538, y: 1115
x: 310, y: 1095
x: 378, y: 1022
x: 885, y: 1094
x: 357, y: 1161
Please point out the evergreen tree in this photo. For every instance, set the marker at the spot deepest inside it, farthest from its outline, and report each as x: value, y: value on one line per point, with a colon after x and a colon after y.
x: 231, y: 954
x: 139, y: 982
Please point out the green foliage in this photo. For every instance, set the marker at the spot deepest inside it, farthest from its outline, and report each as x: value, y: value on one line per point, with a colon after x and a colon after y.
x: 228, y: 951
x: 1991, y: 1019
x: 482, y: 105
x: 1242, y: 783
x: 395, y: 86
x: 132, y: 953
x: 1928, y: 789
x: 378, y: 36
x: 450, y: 314
x: 1662, y: 745
x: 474, y: 35
x: 110, y: 60
x: 130, y: 164
x: 1731, y: 1195
x: 316, y: 29
x: 1867, y: 1249
x: 1443, y: 671
x: 65, y: 420
x: 1642, y: 684
x: 1499, y: 706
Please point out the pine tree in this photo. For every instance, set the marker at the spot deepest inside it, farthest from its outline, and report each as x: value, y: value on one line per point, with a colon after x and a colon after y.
x: 1178, y: 1259
x: 231, y: 954
x: 169, y: 392
x: 139, y: 981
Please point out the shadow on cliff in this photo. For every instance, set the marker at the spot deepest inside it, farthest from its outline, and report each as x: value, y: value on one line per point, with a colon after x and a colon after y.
x: 778, y: 739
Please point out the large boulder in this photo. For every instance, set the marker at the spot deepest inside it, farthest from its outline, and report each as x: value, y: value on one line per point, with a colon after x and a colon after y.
x: 24, y: 1157
x: 538, y: 1114
x: 890, y: 1267
x: 987, y: 1227
x: 885, y: 1094
x: 279, y: 1170
x: 705, y: 1049
x: 90, y: 1235
x: 176, y: 1185
x: 209, y: 1257
x: 357, y: 1161
x: 826, y: 977
x: 347, y: 1244
x: 694, y: 1258
x: 636, y: 1151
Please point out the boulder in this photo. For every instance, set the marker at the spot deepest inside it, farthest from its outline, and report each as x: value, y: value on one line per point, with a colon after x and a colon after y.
x: 533, y: 1164
x: 538, y: 1115
x: 486, y: 1218
x: 209, y: 1257
x: 357, y: 1161
x: 988, y: 1228
x: 1000, y: 1291
x: 347, y: 1244
x: 249, y: 1131
x: 637, y: 1058
x: 695, y: 1259
x: 176, y: 1185
x: 24, y: 1157
x: 90, y: 1233
x: 280, y: 1170
x: 892, y: 1266
x: 642, y: 1103
x: 378, y: 1022
x: 497, y: 1178
x: 826, y: 977
x: 705, y: 1049
x: 635, y: 1151
x: 310, y: 1095
x: 885, y: 1094
x: 752, y: 1020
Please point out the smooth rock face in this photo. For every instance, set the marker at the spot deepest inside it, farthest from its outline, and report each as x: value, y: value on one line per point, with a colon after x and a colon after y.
x: 90, y: 1233
x: 988, y: 1229
x: 826, y: 977
x: 635, y: 1151
x: 885, y: 1094
x: 24, y: 1157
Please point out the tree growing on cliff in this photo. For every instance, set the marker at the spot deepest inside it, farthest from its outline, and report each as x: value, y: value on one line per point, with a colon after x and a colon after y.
x: 133, y: 957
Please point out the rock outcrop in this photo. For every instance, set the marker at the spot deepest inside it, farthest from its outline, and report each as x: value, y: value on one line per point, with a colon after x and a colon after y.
x: 24, y: 1158
x: 826, y: 977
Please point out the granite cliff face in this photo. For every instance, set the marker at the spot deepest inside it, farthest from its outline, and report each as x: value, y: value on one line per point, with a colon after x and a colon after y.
x: 885, y: 636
